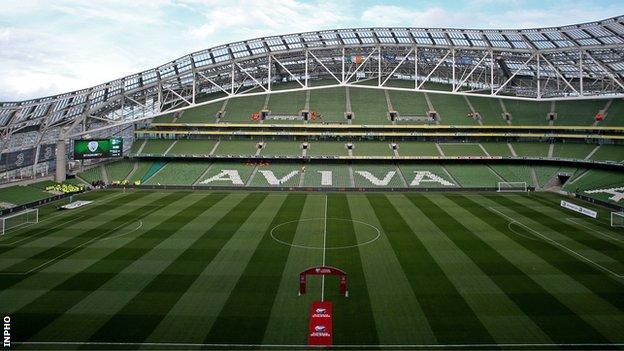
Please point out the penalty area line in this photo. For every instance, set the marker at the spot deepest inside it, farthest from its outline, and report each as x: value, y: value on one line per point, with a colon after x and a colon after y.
x: 556, y: 243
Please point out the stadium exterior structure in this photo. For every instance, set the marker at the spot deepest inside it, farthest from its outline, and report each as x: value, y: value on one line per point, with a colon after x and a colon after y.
x: 582, y: 61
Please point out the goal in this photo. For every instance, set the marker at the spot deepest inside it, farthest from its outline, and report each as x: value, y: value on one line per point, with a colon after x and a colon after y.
x: 18, y: 219
x: 617, y: 219
x: 512, y: 187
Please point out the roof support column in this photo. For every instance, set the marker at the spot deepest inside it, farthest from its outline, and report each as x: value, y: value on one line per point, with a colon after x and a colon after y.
x: 343, y: 64
x: 415, y: 67
x: 269, y: 58
x: 491, y: 72
x: 453, y: 65
x: 306, y: 68
x: 581, y: 71
x: 378, y: 66
x: 61, y: 160
x: 539, y: 83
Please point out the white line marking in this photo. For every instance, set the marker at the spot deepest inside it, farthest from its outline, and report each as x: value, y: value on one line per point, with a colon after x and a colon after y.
x: 97, y: 238
x: 573, y: 220
x: 558, y: 244
x: 391, y: 346
x: 120, y: 235
x: 321, y: 247
x: 2, y: 243
x: 324, y: 246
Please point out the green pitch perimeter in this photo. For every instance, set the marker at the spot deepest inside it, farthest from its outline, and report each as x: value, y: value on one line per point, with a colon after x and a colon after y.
x: 187, y: 270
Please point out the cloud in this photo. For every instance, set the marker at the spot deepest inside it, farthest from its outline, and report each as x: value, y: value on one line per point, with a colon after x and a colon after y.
x: 514, y: 16
x: 249, y: 18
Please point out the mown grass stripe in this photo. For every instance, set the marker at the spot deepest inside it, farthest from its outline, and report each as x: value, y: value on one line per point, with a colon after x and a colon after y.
x: 45, y: 309
x: 450, y: 317
x: 291, y: 311
x: 194, y: 313
x: 602, y: 223
x: 499, y: 315
x: 140, y: 316
x: 567, y: 230
x: 512, y: 280
x: 590, y: 277
x: 245, y: 315
x: 347, y: 329
x: 37, y: 231
x: 23, y: 266
x: 399, y: 318
x: 97, y: 308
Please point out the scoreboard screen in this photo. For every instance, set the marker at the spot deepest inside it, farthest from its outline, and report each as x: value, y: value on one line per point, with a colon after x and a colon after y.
x: 98, y: 148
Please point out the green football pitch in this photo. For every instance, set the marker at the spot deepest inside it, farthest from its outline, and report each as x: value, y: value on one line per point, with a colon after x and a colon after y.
x: 189, y: 270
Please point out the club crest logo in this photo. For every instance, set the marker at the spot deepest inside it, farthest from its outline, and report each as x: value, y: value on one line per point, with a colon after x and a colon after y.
x: 321, y: 310
x: 93, y: 145
x: 319, y: 328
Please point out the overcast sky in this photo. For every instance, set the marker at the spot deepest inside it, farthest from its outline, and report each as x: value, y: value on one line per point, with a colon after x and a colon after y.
x: 55, y: 46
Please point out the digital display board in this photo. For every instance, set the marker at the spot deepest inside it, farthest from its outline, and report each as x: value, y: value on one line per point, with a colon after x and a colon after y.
x: 98, y: 148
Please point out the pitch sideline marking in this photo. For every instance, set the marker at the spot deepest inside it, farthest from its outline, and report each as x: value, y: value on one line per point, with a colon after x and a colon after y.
x: 430, y: 346
x: 2, y: 243
x: 558, y: 244
x: 97, y: 238
x: 573, y: 220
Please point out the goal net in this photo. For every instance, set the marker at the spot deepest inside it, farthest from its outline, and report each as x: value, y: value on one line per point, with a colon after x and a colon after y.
x: 512, y: 186
x: 18, y: 219
x: 617, y: 219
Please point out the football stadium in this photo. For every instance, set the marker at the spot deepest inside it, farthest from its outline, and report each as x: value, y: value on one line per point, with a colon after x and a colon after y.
x: 378, y: 188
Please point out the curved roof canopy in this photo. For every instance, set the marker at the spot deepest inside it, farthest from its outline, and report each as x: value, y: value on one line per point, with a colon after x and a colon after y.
x: 576, y: 61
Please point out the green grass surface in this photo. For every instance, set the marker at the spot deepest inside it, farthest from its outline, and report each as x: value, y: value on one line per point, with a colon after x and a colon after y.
x: 205, y: 268
x: 22, y: 194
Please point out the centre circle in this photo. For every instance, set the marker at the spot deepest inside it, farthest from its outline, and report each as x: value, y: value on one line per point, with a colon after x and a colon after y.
x: 312, y: 233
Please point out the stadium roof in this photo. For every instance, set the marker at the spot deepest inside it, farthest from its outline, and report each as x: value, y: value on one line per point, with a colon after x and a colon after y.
x: 575, y: 61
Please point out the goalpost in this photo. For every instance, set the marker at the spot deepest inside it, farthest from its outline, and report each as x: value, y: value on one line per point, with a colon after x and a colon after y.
x: 512, y: 187
x: 617, y: 219
x: 18, y: 219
